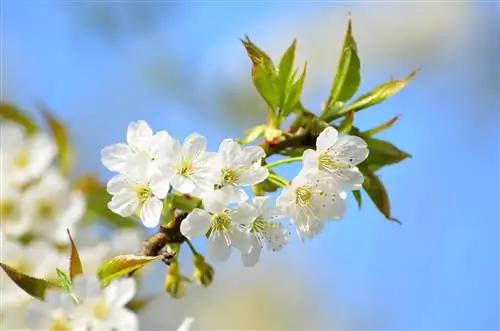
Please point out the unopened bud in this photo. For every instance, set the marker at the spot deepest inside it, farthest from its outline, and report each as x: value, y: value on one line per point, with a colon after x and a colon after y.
x: 175, y: 282
x: 203, y: 272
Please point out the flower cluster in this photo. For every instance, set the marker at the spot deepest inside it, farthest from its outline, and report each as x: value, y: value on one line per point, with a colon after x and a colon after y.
x: 152, y: 166
x: 88, y: 307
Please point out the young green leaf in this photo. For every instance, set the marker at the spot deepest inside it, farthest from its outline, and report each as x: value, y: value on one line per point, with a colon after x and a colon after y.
x: 293, y: 97
x: 357, y: 196
x: 64, y: 280
x: 11, y: 113
x: 383, y: 153
x: 377, y: 193
x: 379, y: 94
x: 75, y: 264
x: 381, y: 127
x: 138, y: 304
x: 253, y: 134
x: 264, y: 74
x: 346, y: 124
x: 285, y: 69
x: 122, y: 265
x: 35, y: 287
x: 347, y: 77
x: 61, y: 136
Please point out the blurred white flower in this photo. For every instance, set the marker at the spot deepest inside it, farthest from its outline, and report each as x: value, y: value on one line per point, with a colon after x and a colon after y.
x: 104, y: 308
x: 311, y: 199
x: 191, y: 168
x: 264, y: 228
x: 53, y: 313
x: 240, y: 166
x: 224, y: 223
x: 12, y: 219
x: 186, y: 324
x: 338, y: 157
x: 140, y: 140
x: 140, y: 191
x: 53, y: 207
x: 23, y: 157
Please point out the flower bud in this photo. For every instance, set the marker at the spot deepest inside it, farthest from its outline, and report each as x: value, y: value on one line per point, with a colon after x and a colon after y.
x: 175, y: 282
x: 203, y: 272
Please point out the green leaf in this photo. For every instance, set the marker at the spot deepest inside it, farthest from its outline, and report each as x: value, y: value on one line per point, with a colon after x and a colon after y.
x: 347, y: 76
x: 264, y: 74
x: 137, y: 305
x: 64, y: 280
x: 75, y: 264
x: 383, y: 153
x: 35, y: 287
x: 61, y: 137
x: 381, y: 127
x: 357, y: 196
x: 293, y: 98
x: 377, y: 193
x: 379, y: 94
x: 285, y: 69
x: 346, y: 125
x: 11, y: 113
x: 253, y: 134
x: 121, y: 265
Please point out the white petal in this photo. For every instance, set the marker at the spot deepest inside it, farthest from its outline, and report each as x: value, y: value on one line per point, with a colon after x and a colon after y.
x: 196, y: 223
x: 121, y: 319
x: 124, y: 203
x: 327, y: 138
x: 56, y: 299
x: 241, y: 240
x: 151, y: 212
x: 254, y: 175
x: 349, y: 179
x: 139, y: 134
x: 218, y: 201
x: 218, y: 249
x: 140, y: 168
x: 235, y: 194
x: 229, y: 151
x: 116, y: 184
x: 244, y: 213
x: 350, y: 150
x: 310, y: 160
x: 194, y: 145
x: 115, y: 157
x: 331, y: 207
x: 43, y: 150
x: 253, y: 154
x: 161, y: 142
x: 186, y: 324
x: 183, y: 184
x: 11, y: 136
x: 159, y: 185
x: 87, y: 287
x: 119, y: 292
x: 260, y: 203
x: 251, y: 258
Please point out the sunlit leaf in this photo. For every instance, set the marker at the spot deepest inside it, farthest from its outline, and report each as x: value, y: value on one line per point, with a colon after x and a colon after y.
x: 357, y: 196
x: 64, y: 280
x: 253, y: 134
x: 62, y: 139
x: 75, y: 264
x: 293, y: 97
x: 381, y: 127
x: 285, y: 70
x: 379, y: 94
x: 11, y: 113
x: 121, y: 265
x: 383, y: 153
x: 264, y: 74
x: 346, y: 124
x: 347, y: 76
x: 377, y: 193
x: 35, y: 287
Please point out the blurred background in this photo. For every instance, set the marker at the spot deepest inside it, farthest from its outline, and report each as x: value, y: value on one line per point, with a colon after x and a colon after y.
x: 180, y: 66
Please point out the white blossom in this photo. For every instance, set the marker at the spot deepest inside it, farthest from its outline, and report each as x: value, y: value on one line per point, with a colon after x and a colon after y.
x: 191, y: 168
x: 104, y: 308
x: 224, y: 223
x: 140, y: 140
x: 139, y: 191
x: 264, y: 228
x: 338, y: 157
x: 186, y: 324
x: 53, y: 313
x: 311, y: 199
x: 53, y: 207
x: 14, y: 221
x: 24, y: 157
x: 240, y: 166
